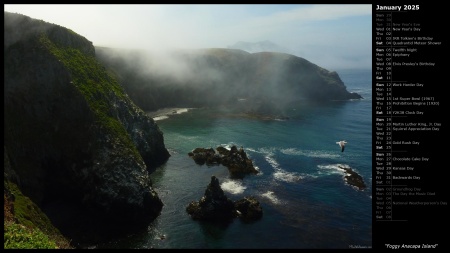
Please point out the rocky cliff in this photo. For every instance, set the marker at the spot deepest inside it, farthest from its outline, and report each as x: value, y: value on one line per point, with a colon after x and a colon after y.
x: 261, y: 82
x: 77, y: 145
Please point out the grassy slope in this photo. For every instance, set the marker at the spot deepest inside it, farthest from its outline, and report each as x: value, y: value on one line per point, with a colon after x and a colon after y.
x: 25, y: 225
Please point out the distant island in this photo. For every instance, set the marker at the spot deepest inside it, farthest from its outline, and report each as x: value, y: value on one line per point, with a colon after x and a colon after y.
x: 259, y: 84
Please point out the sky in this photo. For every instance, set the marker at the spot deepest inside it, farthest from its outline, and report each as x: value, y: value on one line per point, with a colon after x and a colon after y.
x: 331, y: 36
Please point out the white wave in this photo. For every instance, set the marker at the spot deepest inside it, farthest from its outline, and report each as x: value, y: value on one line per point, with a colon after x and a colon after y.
x: 181, y: 110
x: 332, y: 168
x: 308, y: 176
x: 172, y: 151
x: 309, y: 153
x: 252, y: 150
x: 228, y: 145
x: 285, y: 176
x: 362, y: 90
x: 167, y: 112
x: 281, y: 174
x: 233, y: 187
x: 231, y: 144
x: 259, y: 170
x: 160, y: 118
x: 271, y: 196
x: 272, y: 161
x: 267, y: 150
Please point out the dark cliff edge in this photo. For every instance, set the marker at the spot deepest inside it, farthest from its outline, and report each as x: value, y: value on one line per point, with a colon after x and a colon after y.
x: 265, y: 82
x: 75, y: 143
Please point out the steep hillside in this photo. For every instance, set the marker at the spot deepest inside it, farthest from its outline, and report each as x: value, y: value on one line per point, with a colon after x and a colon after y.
x: 78, y: 146
x: 266, y: 81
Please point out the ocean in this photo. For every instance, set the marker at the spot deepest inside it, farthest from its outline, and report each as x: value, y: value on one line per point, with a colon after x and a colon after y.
x: 305, y: 200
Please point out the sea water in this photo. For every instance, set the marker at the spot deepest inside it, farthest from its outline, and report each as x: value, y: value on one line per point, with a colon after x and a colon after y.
x: 305, y: 200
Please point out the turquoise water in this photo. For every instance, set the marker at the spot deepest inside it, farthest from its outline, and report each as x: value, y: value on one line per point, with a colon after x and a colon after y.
x: 305, y: 200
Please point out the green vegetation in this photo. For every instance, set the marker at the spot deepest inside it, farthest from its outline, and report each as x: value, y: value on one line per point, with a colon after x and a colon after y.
x: 26, y: 226
x: 18, y: 236
x: 97, y: 86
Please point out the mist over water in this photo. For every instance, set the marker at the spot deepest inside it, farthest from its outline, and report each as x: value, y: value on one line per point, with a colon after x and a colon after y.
x: 265, y: 82
x: 302, y: 191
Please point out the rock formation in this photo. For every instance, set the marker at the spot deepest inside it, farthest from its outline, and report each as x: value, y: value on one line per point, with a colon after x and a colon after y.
x: 213, y: 206
x: 235, y: 160
x: 249, y: 209
x: 216, y: 206
x: 72, y: 135
x: 354, y: 179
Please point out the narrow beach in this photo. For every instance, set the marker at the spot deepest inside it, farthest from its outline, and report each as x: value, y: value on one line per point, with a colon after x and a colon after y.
x: 164, y: 113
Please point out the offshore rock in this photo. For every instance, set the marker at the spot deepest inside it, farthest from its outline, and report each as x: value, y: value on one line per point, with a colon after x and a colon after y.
x: 249, y: 209
x: 216, y: 206
x: 354, y: 179
x: 235, y: 160
x: 213, y: 206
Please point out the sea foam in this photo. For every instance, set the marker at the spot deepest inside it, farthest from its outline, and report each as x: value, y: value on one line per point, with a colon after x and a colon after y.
x: 309, y: 153
x: 280, y: 174
x: 182, y: 110
x: 160, y: 118
x: 332, y: 168
x: 285, y: 176
x: 271, y: 196
x: 233, y: 187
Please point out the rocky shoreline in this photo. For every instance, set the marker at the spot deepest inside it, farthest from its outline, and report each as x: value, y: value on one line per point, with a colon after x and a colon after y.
x: 167, y: 112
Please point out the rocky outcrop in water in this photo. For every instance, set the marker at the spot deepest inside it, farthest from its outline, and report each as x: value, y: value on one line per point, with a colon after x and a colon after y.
x: 354, y: 179
x: 235, y: 160
x: 249, y: 209
x: 73, y: 136
x: 216, y: 206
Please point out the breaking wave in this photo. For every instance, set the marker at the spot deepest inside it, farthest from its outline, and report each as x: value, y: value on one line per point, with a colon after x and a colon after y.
x: 309, y: 153
x: 271, y: 196
x: 233, y: 187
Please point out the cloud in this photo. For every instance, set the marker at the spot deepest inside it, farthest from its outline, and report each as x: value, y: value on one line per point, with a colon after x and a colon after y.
x: 302, y: 28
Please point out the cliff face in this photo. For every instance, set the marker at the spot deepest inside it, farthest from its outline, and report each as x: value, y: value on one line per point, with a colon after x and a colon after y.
x: 210, y: 77
x: 72, y: 136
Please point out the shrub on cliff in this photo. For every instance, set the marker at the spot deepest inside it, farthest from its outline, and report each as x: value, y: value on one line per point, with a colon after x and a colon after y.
x: 18, y: 236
